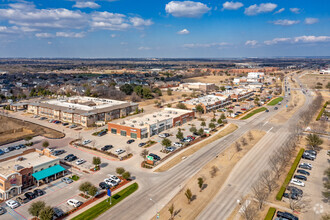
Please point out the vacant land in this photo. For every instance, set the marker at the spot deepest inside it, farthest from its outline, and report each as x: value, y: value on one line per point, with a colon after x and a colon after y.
x: 177, y: 159
x: 209, y: 79
x: 224, y: 163
x: 315, y: 81
x: 12, y: 129
x: 176, y: 96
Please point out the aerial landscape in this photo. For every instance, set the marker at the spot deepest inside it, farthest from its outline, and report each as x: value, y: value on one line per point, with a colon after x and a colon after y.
x: 201, y: 109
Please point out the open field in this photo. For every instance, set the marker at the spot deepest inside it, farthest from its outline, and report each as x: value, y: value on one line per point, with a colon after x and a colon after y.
x: 177, y: 159
x: 208, y: 79
x: 313, y: 80
x: 12, y: 129
x: 224, y: 163
x: 176, y: 96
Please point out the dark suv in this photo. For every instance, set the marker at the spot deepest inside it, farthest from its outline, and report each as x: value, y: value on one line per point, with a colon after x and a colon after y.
x: 106, y: 147
x: 38, y: 192
x: 156, y: 157
x: 300, y: 177
x: 30, y: 195
x: 303, y: 172
x: 286, y: 215
x: 68, y: 156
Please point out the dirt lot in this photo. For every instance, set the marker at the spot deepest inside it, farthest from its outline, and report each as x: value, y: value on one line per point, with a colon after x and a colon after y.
x: 311, y: 80
x: 176, y: 96
x: 13, y: 130
x: 225, y: 162
x: 209, y: 79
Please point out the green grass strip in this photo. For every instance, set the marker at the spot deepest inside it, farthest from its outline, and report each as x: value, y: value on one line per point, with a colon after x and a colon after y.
x: 275, y: 101
x: 103, y: 206
x: 254, y: 112
x: 290, y: 174
x: 270, y: 213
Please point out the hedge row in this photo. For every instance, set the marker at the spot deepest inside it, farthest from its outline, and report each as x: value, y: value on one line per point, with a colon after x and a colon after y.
x: 270, y: 213
x: 321, y: 112
x: 290, y: 174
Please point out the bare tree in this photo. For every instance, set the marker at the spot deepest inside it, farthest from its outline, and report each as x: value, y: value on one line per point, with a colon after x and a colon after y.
x: 248, y: 211
x: 298, y: 204
x: 171, y: 211
x: 238, y: 146
x: 243, y: 141
x: 275, y: 163
x: 213, y: 171
x: 267, y: 179
x: 260, y: 193
x: 250, y: 135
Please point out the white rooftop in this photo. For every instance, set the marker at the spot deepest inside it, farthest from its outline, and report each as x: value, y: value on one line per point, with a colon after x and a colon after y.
x: 205, y: 100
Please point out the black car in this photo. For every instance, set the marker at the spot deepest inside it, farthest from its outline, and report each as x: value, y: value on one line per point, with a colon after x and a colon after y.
x: 307, y: 157
x: 303, y: 172
x: 103, y: 185
x: 141, y: 144
x: 106, y: 147
x: 286, y: 215
x: 275, y: 108
x: 58, y: 212
x: 70, y: 159
x: 293, y: 196
x: 102, y: 133
x: 38, y: 192
x: 306, y: 167
x: 300, y: 177
x: 156, y: 157
x: 58, y: 152
x: 68, y: 156
x: 312, y: 152
x: 11, y: 148
x: 30, y: 195
x: 65, y: 123
x: 2, y: 210
x: 130, y: 141
x: 267, y: 110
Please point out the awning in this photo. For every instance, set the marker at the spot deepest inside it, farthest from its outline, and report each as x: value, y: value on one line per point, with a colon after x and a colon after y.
x: 48, y: 172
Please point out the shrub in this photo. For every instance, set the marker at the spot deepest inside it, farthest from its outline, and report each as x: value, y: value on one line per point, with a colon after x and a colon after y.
x: 270, y: 213
x: 120, y: 170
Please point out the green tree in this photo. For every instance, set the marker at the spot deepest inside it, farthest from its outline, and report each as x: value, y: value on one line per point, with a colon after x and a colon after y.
x: 84, y: 187
x: 200, y: 182
x: 36, y: 207
x: 92, y: 190
x: 127, y: 89
x: 45, y: 144
x: 146, y: 92
x: 157, y: 91
x: 144, y: 154
x: 219, y: 121
x: 179, y: 135
x: 314, y: 140
x: 199, y: 109
x: 166, y: 142
x: 223, y: 116
x: 181, y: 106
x: 171, y: 211
x: 211, y: 125
x: 200, y: 131
x: 120, y: 170
x: 184, y: 95
x: 189, y: 195
x: 139, y: 91
x: 126, y: 175
x: 28, y: 139
x: 326, y: 184
x: 203, y: 124
x: 169, y: 92
x: 193, y: 129
x: 222, y: 88
x: 46, y: 213
x: 96, y: 161
x: 88, y: 92
x: 213, y: 120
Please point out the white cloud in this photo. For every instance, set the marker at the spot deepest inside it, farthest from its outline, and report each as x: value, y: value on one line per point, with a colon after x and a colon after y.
x: 44, y: 35
x: 144, y: 48
x: 188, y: 9
x: 113, y: 35
x: 140, y: 22
x: 205, y: 45
x: 88, y: 4
x: 6, y: 30
x: 258, y: 9
x: 285, y: 22
x: 276, y: 41
x: 311, y: 20
x: 232, y: 5
x: 279, y: 11
x: 183, y: 31
x: 300, y: 39
x: 251, y: 43
x: 295, y: 10
x: 70, y: 34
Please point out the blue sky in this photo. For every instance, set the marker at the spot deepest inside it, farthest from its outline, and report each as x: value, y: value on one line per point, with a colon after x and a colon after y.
x: 158, y: 28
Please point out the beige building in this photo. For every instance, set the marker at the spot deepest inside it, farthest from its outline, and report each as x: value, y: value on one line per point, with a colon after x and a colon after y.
x: 205, y: 87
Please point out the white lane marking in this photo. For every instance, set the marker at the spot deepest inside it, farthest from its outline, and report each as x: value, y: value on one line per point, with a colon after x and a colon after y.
x: 269, y: 129
x: 265, y: 123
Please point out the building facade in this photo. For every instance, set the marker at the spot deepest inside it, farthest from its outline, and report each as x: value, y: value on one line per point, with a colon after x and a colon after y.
x: 208, y: 102
x: 205, y: 87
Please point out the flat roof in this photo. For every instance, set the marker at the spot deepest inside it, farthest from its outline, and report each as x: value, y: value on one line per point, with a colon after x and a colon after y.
x: 143, y: 121
x: 198, y: 83
x: 205, y: 100
x: 28, y: 160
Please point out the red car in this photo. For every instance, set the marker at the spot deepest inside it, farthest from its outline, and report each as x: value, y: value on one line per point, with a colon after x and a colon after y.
x: 243, y: 109
x: 191, y: 137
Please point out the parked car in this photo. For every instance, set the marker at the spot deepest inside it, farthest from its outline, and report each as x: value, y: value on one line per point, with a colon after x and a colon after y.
x: 308, y: 156
x: 130, y: 141
x: 57, y: 122
x: 303, y: 172
x: 308, y: 164
x: 80, y: 161
x: 312, y: 152
x: 75, y: 203
x: 305, y: 167
x: 141, y: 144
x: 155, y: 156
x: 115, y: 178
x: 300, y: 177
x: 191, y: 137
x: 38, y: 192
x: 58, y: 152
x: 6, y: 150
x: 275, y: 108
x: 177, y: 144
x: 12, y: 204
x: 51, y: 121
x: 22, y: 199
x: 68, y: 156
x: 22, y: 145
x: 58, y: 212
x: 110, y: 182
x: 2, y: 210
x: 164, y: 135
x: 86, y: 142
x: 30, y: 195
x: 73, y: 126
x: 11, y: 148
x: 119, y: 151
x: 170, y: 149
x: 101, y: 133
x: 103, y: 185
x: 286, y: 215
x: 65, y: 123
x: 2, y: 152
x: 73, y: 158
x: 17, y: 147
x: 293, y: 196
x: 295, y: 190
x: 297, y: 182
x: 106, y: 147
x: 42, y: 118
x: 66, y: 180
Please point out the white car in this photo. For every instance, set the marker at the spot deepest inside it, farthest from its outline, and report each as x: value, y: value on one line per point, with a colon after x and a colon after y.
x: 86, y: 142
x: 308, y: 164
x: 12, y: 204
x: 164, y: 135
x: 110, y: 182
x: 177, y: 144
x: 66, y: 180
x: 80, y: 161
x: 73, y: 202
x: 297, y: 182
x: 119, y: 151
x: 115, y: 178
x: 6, y: 150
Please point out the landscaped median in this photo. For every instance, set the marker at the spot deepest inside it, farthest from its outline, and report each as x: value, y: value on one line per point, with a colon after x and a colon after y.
x: 275, y: 101
x: 103, y: 206
x: 270, y: 213
x: 253, y: 113
x: 290, y: 174
x: 321, y: 112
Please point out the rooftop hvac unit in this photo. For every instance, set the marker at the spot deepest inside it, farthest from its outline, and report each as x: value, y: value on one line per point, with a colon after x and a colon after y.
x: 175, y: 113
x: 154, y: 116
x: 132, y: 126
x: 148, y: 119
x: 170, y: 112
x: 134, y: 121
x: 167, y: 115
x: 141, y: 124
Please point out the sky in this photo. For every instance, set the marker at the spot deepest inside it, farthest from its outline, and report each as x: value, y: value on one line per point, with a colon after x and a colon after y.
x: 164, y: 29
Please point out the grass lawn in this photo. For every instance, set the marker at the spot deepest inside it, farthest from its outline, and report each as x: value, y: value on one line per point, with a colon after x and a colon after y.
x: 74, y: 177
x: 254, y: 112
x: 103, y: 206
x: 275, y: 101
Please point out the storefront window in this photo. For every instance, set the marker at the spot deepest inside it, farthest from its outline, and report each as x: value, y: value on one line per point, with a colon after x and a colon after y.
x: 133, y: 135
x: 113, y: 131
x: 123, y: 133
